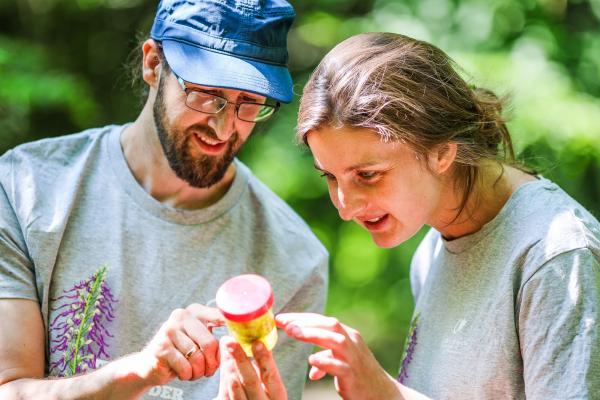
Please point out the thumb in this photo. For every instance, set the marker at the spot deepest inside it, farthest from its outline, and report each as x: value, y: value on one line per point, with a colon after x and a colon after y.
x: 315, y: 373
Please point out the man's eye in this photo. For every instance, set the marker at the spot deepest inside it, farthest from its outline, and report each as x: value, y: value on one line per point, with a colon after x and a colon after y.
x: 249, y: 98
x: 209, y: 92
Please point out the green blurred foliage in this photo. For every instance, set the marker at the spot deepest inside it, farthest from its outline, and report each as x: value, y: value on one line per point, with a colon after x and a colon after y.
x: 62, y: 70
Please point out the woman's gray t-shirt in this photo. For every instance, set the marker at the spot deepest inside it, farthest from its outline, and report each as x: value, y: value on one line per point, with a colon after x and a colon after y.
x: 511, y: 311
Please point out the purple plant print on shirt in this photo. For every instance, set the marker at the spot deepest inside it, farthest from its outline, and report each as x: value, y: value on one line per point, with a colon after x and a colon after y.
x: 409, y: 349
x: 78, y: 332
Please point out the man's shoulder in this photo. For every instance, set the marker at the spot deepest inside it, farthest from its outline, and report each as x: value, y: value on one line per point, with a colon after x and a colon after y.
x: 59, y: 150
x: 37, y: 171
x: 274, y: 211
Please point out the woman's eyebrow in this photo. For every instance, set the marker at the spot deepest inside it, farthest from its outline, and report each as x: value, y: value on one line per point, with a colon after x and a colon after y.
x: 361, y: 165
x: 351, y: 168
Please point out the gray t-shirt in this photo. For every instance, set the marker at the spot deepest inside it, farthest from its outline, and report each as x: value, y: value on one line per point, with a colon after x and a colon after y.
x: 108, y: 263
x: 511, y: 311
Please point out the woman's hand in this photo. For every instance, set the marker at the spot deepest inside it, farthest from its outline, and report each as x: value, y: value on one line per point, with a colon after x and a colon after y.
x: 356, y: 372
x: 242, y: 379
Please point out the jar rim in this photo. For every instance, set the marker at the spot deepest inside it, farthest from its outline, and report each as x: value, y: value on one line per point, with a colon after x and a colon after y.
x: 245, y: 297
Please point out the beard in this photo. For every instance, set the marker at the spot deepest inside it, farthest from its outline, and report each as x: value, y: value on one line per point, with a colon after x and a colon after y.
x: 201, y: 171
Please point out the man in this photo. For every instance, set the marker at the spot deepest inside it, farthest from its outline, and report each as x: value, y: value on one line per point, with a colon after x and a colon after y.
x: 114, y: 241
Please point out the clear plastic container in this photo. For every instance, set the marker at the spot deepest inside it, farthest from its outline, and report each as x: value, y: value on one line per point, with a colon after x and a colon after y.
x: 246, y: 302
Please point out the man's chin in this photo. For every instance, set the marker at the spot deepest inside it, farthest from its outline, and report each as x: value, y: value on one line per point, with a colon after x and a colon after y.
x: 201, y: 170
x: 201, y: 180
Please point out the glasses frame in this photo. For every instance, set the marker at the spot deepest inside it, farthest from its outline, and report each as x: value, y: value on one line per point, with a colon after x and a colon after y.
x: 226, y: 102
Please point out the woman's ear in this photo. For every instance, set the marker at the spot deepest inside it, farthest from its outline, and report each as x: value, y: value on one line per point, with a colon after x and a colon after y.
x: 442, y: 157
x: 151, y: 62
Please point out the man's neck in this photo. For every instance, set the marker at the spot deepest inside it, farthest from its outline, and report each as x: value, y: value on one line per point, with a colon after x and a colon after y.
x: 148, y: 164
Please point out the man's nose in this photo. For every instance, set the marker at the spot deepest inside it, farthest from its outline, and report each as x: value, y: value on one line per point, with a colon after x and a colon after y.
x: 223, y: 122
x: 350, y: 203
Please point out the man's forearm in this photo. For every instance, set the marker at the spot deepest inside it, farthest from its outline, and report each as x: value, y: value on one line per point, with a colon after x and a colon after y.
x: 121, y: 379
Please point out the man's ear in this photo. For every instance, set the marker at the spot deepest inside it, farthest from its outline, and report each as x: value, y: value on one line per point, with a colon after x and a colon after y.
x: 442, y: 157
x: 151, y: 65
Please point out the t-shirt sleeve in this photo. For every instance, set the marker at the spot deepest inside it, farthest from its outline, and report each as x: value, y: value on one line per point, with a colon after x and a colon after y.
x: 17, y: 277
x: 558, y: 328
x: 291, y: 355
x: 422, y: 260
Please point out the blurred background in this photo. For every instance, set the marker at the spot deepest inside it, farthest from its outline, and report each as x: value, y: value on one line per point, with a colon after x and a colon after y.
x: 62, y: 70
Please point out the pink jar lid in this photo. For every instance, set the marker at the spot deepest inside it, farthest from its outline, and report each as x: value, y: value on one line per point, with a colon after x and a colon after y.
x: 244, y: 297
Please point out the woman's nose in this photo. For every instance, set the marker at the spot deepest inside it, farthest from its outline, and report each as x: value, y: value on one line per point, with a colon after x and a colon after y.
x: 350, y: 204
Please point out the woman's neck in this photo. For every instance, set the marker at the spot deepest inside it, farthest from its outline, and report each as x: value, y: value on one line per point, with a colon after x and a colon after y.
x: 495, y: 184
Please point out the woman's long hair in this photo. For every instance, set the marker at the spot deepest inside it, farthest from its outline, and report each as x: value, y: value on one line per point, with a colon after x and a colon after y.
x: 409, y: 91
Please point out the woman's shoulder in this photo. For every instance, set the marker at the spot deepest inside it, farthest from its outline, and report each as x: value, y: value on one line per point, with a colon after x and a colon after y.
x: 550, y: 213
x: 552, y: 222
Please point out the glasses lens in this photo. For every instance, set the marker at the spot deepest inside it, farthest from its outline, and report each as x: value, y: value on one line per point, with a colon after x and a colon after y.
x: 251, y: 112
x: 205, y: 102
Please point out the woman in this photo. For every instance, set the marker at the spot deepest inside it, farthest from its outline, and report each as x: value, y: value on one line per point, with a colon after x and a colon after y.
x: 507, y: 281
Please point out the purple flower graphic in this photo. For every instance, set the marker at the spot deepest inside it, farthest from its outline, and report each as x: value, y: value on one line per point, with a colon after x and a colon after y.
x: 409, y: 349
x: 79, y: 330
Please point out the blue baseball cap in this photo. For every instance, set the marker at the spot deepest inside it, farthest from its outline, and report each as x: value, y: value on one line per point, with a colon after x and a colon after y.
x: 232, y: 44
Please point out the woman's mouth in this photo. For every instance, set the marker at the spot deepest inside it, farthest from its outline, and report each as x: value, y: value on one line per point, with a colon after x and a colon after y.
x: 377, y: 223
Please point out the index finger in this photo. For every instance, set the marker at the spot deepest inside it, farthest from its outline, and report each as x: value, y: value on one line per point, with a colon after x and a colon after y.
x: 269, y: 373
x: 230, y: 387
x: 317, y: 329
x: 309, y: 320
x: 248, y: 377
x: 209, y: 316
x: 319, y: 337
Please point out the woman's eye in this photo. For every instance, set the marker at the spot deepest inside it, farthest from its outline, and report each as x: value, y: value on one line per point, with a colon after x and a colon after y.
x: 327, y: 176
x: 367, y: 174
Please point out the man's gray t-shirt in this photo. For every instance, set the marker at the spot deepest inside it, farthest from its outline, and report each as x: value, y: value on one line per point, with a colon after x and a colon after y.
x: 511, y: 311
x: 108, y: 263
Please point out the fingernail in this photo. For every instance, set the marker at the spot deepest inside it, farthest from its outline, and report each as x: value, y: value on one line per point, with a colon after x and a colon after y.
x: 259, y: 346
x: 230, y: 348
x: 294, y: 330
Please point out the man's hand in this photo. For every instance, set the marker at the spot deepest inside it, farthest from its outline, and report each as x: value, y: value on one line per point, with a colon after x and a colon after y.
x: 186, y: 332
x: 183, y: 347
x: 242, y: 379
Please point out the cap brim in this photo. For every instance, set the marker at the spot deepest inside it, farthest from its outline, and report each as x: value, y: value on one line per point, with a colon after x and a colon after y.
x: 208, y: 68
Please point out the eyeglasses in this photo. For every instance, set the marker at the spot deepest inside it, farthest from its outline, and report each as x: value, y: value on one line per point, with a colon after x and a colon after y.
x: 209, y: 103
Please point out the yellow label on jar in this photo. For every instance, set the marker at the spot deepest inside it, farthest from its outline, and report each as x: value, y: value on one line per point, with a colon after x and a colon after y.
x: 262, y: 328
